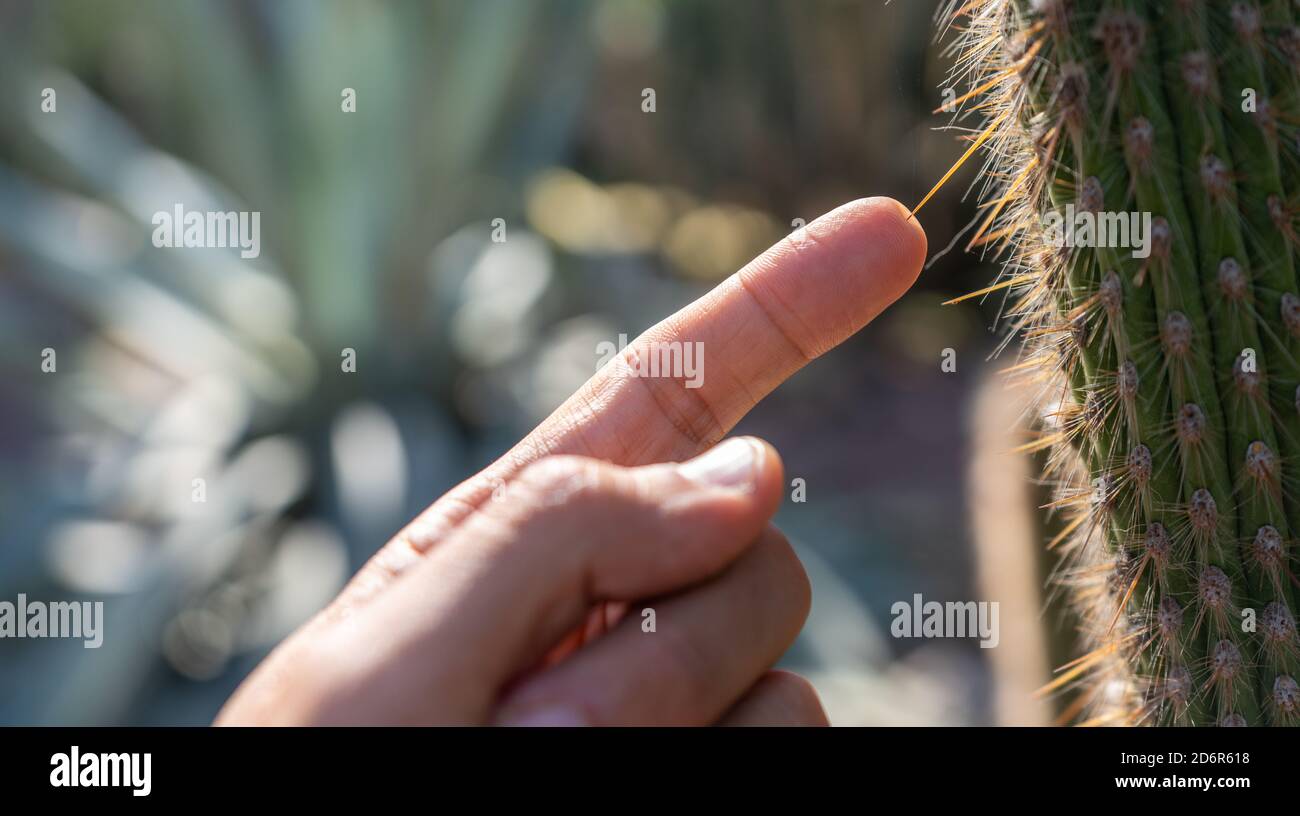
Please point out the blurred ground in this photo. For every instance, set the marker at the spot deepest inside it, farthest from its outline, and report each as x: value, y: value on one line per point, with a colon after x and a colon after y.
x: 175, y: 365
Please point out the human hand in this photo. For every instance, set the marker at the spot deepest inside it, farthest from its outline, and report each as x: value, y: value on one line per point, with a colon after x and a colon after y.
x: 517, y: 597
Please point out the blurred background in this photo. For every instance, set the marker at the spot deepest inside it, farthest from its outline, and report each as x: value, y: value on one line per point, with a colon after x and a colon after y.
x: 175, y: 365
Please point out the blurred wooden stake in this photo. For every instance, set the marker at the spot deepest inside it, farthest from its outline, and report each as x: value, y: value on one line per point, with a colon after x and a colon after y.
x: 1007, y: 540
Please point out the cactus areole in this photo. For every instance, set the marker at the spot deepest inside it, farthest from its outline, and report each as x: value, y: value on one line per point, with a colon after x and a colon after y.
x: 1162, y: 333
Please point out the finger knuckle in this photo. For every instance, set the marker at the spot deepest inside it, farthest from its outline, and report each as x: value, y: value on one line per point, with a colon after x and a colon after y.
x: 797, y: 695
x: 788, y: 685
x: 689, y: 411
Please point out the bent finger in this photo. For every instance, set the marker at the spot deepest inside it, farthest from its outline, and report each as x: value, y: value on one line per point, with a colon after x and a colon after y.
x: 806, y: 294
x: 707, y: 647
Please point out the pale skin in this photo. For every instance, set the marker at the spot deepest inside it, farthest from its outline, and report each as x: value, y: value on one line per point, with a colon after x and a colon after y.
x: 518, y: 598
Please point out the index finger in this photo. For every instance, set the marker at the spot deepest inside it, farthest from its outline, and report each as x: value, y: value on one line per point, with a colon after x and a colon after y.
x: 802, y: 297
x: 799, y: 299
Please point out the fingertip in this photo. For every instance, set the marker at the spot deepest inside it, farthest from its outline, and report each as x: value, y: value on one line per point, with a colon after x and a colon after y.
x: 890, y: 226
x: 739, y: 505
x: 779, y: 698
x: 746, y: 469
x: 915, y: 233
x: 828, y: 280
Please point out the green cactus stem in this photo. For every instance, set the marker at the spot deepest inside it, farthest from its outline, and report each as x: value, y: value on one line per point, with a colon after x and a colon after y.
x: 1161, y: 318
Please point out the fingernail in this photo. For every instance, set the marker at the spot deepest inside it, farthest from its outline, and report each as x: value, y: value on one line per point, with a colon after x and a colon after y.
x: 553, y: 717
x: 732, y: 464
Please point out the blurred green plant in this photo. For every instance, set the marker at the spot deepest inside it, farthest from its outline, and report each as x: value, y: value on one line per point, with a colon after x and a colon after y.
x: 214, y: 460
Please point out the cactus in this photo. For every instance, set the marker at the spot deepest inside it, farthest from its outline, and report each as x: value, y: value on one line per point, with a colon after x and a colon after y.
x: 1170, y: 377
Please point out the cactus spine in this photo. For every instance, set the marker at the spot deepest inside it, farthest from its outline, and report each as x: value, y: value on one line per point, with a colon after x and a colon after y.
x: 1170, y: 383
